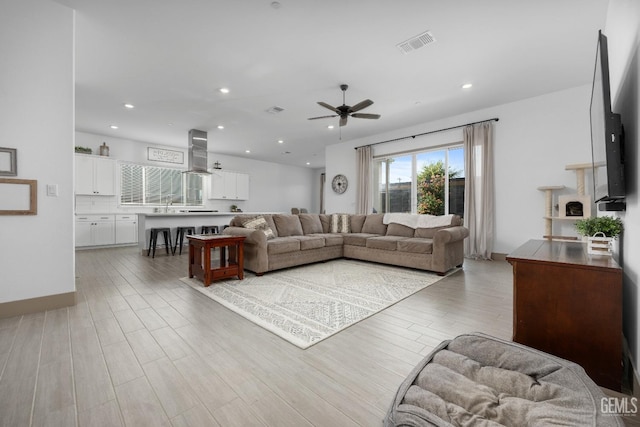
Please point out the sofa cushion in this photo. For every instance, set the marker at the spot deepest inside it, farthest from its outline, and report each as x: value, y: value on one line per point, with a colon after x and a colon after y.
x: 283, y: 245
x: 339, y: 223
x: 356, y: 222
x: 373, y: 225
x: 394, y: 229
x: 325, y: 220
x: 357, y: 239
x: 259, y: 223
x: 310, y: 223
x: 310, y: 242
x: 387, y: 243
x: 416, y: 245
x: 287, y: 225
x: 330, y: 239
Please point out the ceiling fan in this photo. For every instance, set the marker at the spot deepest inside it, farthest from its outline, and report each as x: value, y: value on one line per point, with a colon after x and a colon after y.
x: 344, y: 111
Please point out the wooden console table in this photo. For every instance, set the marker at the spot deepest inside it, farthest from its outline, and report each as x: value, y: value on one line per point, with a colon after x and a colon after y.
x: 200, y: 257
x: 569, y: 303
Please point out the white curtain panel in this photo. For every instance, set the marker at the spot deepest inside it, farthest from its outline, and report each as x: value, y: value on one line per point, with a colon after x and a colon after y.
x: 479, y: 215
x: 364, y: 198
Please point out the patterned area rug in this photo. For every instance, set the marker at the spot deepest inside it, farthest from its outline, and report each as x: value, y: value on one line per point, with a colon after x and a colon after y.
x: 307, y: 304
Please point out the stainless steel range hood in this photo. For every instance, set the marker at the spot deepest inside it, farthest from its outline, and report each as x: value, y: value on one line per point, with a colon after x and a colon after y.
x: 197, y: 152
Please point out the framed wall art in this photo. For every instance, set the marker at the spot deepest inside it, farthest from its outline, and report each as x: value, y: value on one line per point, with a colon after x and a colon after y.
x: 8, y: 161
x: 167, y: 156
x: 18, y: 196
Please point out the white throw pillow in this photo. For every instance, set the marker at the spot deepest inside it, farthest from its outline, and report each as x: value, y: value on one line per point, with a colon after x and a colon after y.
x: 339, y: 223
x: 259, y: 223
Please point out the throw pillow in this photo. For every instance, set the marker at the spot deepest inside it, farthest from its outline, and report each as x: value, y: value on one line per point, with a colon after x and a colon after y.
x: 339, y: 223
x: 259, y: 223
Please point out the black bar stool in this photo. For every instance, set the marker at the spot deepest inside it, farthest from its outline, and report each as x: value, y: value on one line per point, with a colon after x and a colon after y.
x: 153, y: 239
x: 210, y: 229
x: 180, y: 236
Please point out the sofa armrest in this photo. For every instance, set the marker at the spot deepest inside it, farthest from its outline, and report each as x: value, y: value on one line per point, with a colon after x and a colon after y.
x: 253, y: 237
x: 451, y: 234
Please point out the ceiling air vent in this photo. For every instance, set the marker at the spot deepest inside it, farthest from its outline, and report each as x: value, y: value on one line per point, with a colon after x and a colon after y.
x: 275, y: 110
x: 416, y: 42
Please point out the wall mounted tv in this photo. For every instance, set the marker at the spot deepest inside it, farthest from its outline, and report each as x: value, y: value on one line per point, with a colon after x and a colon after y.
x: 607, y: 137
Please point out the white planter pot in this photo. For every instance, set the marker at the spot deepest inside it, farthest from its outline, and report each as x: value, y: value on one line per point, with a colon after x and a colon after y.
x: 598, y: 244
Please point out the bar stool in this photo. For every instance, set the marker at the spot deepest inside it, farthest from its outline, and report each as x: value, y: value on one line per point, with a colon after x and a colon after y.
x: 153, y: 239
x: 180, y: 233
x: 209, y: 229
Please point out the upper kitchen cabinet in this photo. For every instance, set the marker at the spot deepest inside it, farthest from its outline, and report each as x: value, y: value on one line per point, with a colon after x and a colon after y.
x: 95, y: 176
x: 229, y: 185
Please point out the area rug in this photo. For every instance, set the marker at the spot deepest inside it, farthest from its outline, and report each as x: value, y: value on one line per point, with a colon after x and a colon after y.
x: 307, y: 304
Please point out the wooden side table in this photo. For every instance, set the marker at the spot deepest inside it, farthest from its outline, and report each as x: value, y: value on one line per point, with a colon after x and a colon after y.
x: 200, y: 257
x: 569, y: 303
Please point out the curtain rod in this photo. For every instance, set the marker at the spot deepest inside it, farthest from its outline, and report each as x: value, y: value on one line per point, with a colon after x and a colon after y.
x: 427, y: 133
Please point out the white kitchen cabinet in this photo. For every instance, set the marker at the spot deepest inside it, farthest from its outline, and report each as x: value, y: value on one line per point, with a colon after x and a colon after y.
x: 95, y: 230
x: 126, y: 229
x: 95, y: 176
x: 229, y: 185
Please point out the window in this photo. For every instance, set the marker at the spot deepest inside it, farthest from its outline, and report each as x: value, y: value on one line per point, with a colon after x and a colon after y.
x: 151, y: 185
x: 428, y: 182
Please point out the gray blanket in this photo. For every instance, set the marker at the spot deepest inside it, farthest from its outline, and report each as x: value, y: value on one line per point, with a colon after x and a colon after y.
x: 478, y: 380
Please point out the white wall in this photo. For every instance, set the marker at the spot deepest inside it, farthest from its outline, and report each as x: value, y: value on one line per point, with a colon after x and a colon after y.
x: 272, y: 187
x: 623, y: 33
x: 37, y: 111
x: 534, y: 140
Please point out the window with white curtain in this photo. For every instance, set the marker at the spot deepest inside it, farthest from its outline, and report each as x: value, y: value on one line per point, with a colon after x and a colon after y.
x: 425, y: 181
x: 157, y: 186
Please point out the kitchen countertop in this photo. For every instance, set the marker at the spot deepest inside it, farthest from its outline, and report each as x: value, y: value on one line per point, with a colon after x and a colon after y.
x: 183, y: 214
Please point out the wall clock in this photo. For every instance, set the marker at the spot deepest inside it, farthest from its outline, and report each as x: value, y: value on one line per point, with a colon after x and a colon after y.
x: 339, y: 184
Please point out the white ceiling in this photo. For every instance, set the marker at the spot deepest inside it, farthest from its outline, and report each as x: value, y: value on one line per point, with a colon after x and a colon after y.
x: 169, y: 58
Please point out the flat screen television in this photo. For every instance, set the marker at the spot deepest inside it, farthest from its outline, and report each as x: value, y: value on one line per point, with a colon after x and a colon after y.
x: 607, y: 137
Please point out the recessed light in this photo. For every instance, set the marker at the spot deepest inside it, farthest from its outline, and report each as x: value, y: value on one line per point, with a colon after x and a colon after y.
x: 330, y: 127
x: 220, y: 127
x: 466, y: 86
x: 308, y: 163
x: 113, y: 127
x: 224, y: 90
x: 129, y: 106
x: 280, y: 141
x: 247, y: 151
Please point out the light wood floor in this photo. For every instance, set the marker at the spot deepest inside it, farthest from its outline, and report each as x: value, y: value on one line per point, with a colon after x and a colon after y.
x: 142, y: 349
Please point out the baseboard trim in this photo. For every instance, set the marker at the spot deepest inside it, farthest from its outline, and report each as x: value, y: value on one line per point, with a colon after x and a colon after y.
x: 498, y: 256
x: 35, y: 305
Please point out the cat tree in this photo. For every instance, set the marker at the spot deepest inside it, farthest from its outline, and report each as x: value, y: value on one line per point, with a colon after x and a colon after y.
x: 570, y: 207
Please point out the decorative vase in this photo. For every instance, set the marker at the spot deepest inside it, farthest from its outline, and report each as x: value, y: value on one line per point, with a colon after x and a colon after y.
x: 599, y: 244
x: 104, y: 149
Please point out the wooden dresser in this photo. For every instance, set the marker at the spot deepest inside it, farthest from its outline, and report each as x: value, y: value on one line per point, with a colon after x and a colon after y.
x: 569, y: 303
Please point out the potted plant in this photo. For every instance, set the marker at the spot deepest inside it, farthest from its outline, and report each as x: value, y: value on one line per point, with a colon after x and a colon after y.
x: 600, y: 232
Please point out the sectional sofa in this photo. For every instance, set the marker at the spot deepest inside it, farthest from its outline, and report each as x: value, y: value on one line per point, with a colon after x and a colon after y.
x: 276, y: 241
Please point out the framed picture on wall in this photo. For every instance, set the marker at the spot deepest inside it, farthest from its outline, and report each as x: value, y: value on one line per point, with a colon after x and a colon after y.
x: 8, y: 161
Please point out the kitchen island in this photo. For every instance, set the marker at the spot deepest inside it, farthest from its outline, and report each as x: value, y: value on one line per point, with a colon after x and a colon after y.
x: 182, y: 219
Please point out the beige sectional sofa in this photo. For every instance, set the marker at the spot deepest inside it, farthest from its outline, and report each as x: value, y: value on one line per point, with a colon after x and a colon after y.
x: 276, y: 241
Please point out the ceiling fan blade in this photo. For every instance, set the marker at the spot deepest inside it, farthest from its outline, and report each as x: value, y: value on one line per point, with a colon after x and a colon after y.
x: 365, y: 116
x: 343, y: 120
x: 325, y: 105
x: 322, y: 117
x: 360, y: 105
